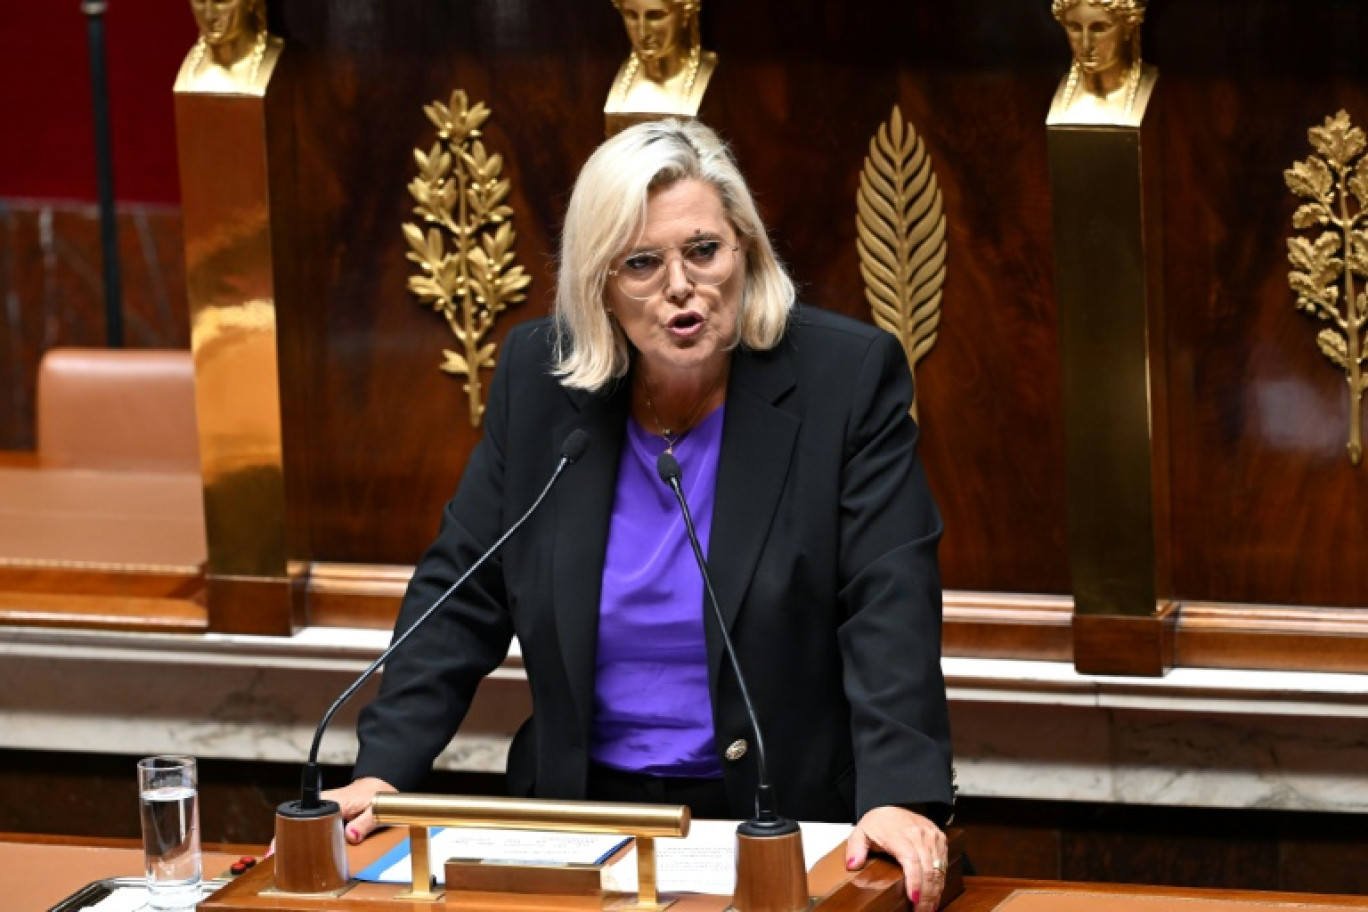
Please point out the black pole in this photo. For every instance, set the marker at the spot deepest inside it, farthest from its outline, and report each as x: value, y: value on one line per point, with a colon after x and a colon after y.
x: 94, y: 11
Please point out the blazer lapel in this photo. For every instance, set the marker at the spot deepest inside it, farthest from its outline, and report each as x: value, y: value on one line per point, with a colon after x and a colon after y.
x: 584, y: 503
x: 757, y: 447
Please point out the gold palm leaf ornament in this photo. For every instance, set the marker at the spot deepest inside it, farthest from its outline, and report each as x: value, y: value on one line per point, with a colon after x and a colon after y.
x: 459, y: 199
x: 1334, y: 187
x: 901, y: 238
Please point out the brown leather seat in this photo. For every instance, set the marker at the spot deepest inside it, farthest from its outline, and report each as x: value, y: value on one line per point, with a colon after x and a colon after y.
x: 117, y: 410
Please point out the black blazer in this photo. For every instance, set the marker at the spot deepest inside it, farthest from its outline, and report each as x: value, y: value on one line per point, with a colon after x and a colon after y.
x: 823, y: 556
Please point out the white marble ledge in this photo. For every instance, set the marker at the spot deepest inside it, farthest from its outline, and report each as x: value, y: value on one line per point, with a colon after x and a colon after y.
x: 316, y: 648
x: 1022, y: 730
x: 970, y: 680
x: 1202, y: 690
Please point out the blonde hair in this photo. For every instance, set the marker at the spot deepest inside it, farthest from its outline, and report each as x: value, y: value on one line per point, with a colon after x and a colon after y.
x: 607, y: 213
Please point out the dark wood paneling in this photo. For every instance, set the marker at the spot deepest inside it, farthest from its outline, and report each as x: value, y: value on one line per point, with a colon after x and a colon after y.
x: 1179, y: 860
x: 799, y: 94
x: 986, y: 625
x: 1328, y: 858
x: 1262, y: 486
x: 1262, y: 492
x: 1188, y: 847
x: 96, y: 794
x: 1120, y: 645
x: 1273, y: 637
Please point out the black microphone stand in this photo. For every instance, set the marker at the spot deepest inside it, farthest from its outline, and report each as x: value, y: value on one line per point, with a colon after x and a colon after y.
x: 94, y: 11
x: 771, y: 875
x: 310, y: 848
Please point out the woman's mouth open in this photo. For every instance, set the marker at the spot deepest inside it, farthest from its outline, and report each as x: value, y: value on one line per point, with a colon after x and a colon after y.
x: 685, y: 325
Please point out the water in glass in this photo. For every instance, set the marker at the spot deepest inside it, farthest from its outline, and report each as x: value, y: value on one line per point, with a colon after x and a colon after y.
x: 171, y: 832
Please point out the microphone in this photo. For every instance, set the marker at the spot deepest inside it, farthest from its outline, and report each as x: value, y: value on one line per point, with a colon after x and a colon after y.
x: 570, y: 452
x: 771, y: 875
x: 766, y: 821
x: 310, y: 807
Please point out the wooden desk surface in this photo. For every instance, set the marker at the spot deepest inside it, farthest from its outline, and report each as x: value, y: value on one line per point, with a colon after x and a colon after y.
x: 98, y: 517
x: 37, y: 872
x: 878, y: 887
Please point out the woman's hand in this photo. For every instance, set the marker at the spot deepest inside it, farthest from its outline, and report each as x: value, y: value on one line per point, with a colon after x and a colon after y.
x: 355, y: 801
x: 917, y: 844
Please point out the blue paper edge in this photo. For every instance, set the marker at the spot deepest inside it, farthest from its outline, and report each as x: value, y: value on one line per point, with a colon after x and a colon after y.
x: 371, y: 873
x: 611, y: 852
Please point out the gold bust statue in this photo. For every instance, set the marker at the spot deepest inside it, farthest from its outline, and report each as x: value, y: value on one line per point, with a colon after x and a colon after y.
x: 235, y: 55
x: 668, y: 70
x: 1108, y: 83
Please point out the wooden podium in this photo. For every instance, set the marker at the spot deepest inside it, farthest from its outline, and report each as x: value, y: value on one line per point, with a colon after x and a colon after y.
x: 878, y: 887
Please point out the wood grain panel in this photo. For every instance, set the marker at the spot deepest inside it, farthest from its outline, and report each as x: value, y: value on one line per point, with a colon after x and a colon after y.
x: 799, y: 95
x: 1264, y: 501
x: 1273, y: 637
x: 1189, y: 859
x: 1262, y: 486
x: 986, y: 625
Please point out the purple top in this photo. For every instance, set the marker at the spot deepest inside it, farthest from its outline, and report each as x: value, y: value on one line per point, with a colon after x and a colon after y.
x: 652, y: 712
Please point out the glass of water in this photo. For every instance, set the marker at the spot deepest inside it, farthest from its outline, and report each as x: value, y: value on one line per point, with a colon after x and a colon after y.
x: 171, y: 831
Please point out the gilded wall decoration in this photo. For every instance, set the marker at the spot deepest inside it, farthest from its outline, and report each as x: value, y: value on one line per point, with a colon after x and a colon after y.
x: 901, y: 238
x: 1334, y: 185
x: 460, y: 198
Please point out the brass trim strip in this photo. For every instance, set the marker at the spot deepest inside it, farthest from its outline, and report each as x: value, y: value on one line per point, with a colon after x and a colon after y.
x: 530, y: 814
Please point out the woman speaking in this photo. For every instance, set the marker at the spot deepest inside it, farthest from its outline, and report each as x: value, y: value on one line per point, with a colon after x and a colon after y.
x: 675, y: 329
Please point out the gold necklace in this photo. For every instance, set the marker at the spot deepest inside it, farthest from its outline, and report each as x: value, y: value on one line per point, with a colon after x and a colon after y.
x: 634, y: 64
x: 254, y: 61
x: 1132, y: 86
x: 670, y: 436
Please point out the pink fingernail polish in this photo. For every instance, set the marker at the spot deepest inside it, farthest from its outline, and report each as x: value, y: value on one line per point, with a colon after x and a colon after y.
x: 916, y: 897
x: 351, y: 834
x: 850, y: 864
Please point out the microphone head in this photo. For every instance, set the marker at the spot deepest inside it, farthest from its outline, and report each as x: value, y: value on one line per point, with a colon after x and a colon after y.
x: 575, y: 445
x: 668, y: 468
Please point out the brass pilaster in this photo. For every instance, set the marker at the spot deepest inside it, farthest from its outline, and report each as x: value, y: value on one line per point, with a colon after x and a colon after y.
x: 1104, y: 182
x: 222, y: 115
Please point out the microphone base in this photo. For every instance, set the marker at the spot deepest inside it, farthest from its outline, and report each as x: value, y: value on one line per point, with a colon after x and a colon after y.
x: 771, y: 875
x: 311, y: 850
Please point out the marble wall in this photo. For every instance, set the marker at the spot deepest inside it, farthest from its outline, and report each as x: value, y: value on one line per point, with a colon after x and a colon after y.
x: 1196, y: 738
x: 1022, y: 730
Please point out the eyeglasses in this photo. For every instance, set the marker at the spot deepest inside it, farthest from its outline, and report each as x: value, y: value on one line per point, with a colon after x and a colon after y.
x: 642, y: 273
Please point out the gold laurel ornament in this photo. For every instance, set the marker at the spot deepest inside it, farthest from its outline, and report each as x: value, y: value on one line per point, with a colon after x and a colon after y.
x: 1330, y: 270
x: 901, y: 238
x: 460, y: 198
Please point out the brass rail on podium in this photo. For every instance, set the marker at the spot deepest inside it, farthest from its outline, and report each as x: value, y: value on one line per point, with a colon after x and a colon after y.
x: 532, y: 888
x: 488, y: 884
